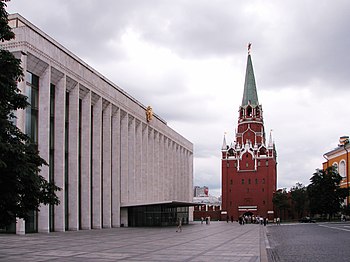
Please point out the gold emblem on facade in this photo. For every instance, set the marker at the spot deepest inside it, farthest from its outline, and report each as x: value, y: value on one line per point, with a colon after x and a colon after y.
x: 149, y: 113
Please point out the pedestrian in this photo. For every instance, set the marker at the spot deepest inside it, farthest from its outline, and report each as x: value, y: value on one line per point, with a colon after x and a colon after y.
x: 265, y: 221
x: 179, y: 225
x: 278, y: 221
x: 227, y: 218
x: 231, y: 219
x: 202, y: 219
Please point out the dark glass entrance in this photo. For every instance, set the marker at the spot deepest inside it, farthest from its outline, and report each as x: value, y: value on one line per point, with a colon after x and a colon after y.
x: 156, y: 215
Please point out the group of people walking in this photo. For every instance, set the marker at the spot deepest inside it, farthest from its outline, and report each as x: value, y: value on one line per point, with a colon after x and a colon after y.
x: 207, y: 220
x: 245, y: 219
x: 252, y: 220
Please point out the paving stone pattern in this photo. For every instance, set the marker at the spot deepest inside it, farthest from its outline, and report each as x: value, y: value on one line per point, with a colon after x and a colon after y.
x: 219, y: 241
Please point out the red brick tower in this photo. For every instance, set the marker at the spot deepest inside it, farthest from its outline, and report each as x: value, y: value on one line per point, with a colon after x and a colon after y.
x: 249, y: 164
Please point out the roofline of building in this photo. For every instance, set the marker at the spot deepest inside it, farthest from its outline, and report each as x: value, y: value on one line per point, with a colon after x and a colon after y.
x: 79, y: 60
x: 338, y: 149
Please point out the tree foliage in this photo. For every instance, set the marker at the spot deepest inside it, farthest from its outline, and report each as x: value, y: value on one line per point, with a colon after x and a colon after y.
x: 280, y: 200
x: 299, y: 199
x: 22, y: 188
x: 324, y: 192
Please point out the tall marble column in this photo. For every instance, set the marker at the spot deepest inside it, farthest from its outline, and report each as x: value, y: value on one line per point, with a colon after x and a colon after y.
x: 166, y: 169
x: 97, y: 165
x: 116, y: 167
x: 138, y: 160
x: 176, y: 173
x: 21, y: 121
x: 85, y: 155
x: 156, y: 185
x: 144, y: 161
x: 73, y: 159
x: 171, y: 169
x: 59, y: 151
x: 190, y: 174
x: 21, y: 113
x: 44, y: 140
x: 183, y: 174
x: 124, y: 156
x: 161, y: 167
x: 107, y: 165
x: 131, y: 159
x: 150, y: 166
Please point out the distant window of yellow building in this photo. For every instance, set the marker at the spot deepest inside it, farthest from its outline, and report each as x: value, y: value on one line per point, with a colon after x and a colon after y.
x: 342, y: 168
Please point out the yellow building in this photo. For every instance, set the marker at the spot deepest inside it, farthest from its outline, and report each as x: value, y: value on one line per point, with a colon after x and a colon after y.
x: 339, y: 157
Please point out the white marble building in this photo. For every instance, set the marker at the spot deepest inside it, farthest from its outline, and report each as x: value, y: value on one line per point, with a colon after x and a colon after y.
x: 111, y: 163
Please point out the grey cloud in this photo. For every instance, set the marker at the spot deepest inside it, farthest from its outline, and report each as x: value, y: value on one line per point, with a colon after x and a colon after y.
x: 299, y: 45
x: 310, y: 47
x: 198, y: 30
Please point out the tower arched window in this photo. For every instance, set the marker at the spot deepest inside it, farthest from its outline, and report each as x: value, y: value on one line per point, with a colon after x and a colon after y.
x: 249, y: 111
x: 342, y: 168
x: 262, y: 151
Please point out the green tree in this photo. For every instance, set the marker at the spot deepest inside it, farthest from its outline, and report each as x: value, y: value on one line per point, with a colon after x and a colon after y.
x: 22, y: 189
x: 346, y: 210
x: 299, y: 199
x: 324, y: 192
x: 280, y: 201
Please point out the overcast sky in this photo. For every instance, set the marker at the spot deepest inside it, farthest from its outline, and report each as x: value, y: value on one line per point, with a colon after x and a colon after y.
x: 187, y: 59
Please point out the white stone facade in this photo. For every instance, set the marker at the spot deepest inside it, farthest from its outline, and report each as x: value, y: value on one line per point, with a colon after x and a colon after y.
x: 114, y: 157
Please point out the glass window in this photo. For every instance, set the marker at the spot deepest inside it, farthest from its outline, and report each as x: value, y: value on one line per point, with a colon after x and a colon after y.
x: 31, y: 129
x: 29, y: 77
x: 32, y: 112
x: 156, y: 215
x: 342, y: 169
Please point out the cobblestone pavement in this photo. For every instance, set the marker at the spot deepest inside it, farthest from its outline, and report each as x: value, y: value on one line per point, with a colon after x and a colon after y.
x: 309, y: 242
x: 219, y: 241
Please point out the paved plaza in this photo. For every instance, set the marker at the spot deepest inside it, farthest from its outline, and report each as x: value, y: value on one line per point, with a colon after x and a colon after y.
x: 219, y: 241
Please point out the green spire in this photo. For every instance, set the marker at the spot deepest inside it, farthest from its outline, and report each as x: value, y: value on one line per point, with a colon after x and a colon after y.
x: 250, y: 93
